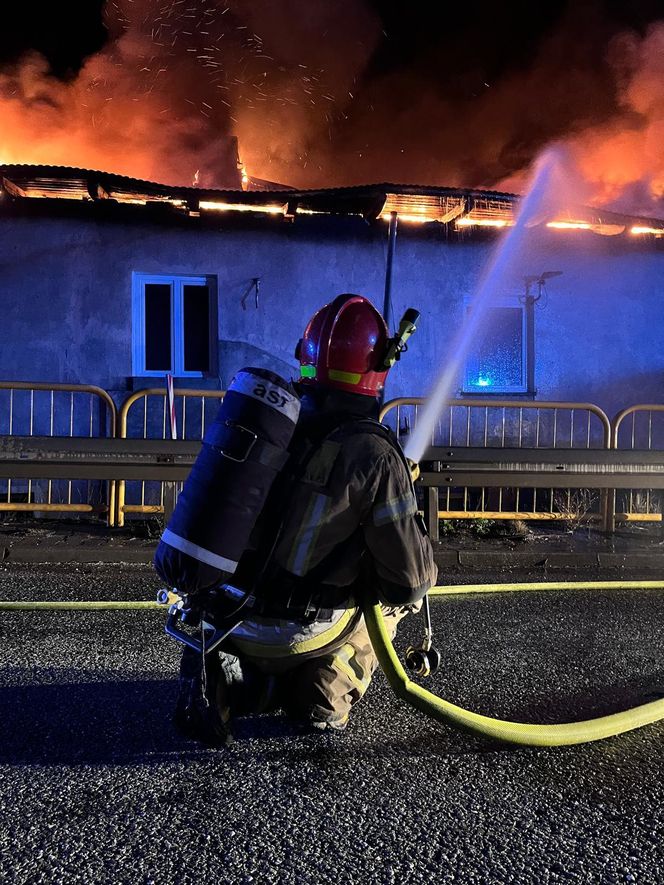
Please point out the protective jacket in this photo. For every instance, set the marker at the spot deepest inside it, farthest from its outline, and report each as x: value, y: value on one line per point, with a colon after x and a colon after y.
x: 348, y: 522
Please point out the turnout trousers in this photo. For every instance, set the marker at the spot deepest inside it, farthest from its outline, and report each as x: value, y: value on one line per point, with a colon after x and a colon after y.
x: 321, y: 689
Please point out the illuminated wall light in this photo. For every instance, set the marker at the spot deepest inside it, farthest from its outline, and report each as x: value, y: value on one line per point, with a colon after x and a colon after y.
x: 569, y: 225
x: 639, y: 229
x: 241, y: 207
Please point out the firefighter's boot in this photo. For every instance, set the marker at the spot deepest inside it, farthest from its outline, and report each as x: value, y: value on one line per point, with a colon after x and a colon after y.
x: 197, y: 714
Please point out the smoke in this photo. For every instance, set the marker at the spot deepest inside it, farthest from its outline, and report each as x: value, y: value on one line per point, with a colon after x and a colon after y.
x: 305, y: 86
x: 176, y: 78
x: 124, y: 112
x: 623, y: 158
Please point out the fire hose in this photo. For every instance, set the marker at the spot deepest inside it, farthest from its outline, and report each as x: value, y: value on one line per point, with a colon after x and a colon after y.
x: 520, y: 733
x: 451, y: 590
x: 523, y: 733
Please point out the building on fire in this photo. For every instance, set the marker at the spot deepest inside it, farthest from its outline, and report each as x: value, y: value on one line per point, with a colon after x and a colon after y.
x: 116, y: 282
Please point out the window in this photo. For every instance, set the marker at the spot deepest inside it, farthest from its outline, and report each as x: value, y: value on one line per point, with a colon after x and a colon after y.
x: 173, y: 325
x: 498, y: 357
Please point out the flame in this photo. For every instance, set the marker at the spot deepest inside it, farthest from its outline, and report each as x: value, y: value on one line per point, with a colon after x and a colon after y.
x: 569, y: 225
x: 620, y: 160
x: 217, y: 206
x: 416, y: 219
x: 641, y: 229
x: 174, y: 79
x: 483, y: 222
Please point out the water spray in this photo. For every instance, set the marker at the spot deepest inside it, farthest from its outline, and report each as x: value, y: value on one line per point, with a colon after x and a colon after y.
x: 531, y: 205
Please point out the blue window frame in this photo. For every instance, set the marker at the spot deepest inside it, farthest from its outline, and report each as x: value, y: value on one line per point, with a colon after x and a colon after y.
x: 497, y: 360
x: 174, y: 321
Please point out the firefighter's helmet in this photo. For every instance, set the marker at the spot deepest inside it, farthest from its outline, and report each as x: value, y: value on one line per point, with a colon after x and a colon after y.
x: 344, y: 346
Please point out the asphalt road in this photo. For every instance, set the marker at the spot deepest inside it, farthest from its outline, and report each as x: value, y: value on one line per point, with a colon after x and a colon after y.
x: 95, y: 787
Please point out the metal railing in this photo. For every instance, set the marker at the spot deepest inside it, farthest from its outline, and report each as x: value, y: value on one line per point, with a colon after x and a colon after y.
x: 145, y: 415
x: 638, y: 427
x: 467, y: 429
x: 490, y: 423
x: 33, y: 408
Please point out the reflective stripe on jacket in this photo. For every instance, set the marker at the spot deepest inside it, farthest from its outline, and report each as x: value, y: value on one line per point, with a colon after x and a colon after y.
x: 356, y: 499
x: 275, y: 638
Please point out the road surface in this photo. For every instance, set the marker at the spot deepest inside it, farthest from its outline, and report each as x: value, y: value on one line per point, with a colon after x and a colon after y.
x: 95, y: 786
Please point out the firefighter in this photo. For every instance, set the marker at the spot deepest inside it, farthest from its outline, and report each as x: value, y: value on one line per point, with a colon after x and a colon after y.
x: 341, y: 522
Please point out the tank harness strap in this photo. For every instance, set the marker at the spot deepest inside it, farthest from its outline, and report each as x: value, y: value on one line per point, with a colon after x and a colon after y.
x: 240, y: 444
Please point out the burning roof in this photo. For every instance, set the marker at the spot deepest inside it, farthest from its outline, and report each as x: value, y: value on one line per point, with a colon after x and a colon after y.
x: 460, y: 209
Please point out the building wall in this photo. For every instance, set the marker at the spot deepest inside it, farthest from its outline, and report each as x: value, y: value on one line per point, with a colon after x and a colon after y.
x: 66, y: 297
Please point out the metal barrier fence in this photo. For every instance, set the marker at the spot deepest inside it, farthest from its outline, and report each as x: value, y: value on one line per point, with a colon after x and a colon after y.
x: 145, y: 415
x: 638, y: 427
x: 477, y: 423
x: 32, y: 408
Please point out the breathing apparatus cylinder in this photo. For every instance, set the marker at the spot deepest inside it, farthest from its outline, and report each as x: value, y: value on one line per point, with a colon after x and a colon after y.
x: 243, y: 451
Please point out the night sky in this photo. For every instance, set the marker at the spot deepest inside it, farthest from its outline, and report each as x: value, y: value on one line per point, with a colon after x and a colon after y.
x: 324, y: 93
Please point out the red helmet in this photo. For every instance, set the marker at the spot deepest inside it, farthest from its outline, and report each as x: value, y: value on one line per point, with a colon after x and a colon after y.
x: 344, y: 346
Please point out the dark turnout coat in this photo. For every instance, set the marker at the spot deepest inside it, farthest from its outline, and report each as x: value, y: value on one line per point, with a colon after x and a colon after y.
x: 349, y: 519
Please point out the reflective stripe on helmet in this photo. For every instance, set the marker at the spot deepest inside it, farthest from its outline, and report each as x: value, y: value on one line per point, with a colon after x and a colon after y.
x: 346, y: 377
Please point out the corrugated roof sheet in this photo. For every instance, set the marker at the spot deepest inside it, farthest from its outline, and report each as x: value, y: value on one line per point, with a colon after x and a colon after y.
x: 461, y: 207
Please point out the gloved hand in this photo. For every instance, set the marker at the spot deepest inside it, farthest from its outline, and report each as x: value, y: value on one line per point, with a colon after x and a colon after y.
x: 414, y: 469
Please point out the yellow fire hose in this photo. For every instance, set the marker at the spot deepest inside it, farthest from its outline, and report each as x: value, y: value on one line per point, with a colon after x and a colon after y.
x: 527, y: 734
x: 115, y: 605
x: 549, y: 585
x: 524, y: 733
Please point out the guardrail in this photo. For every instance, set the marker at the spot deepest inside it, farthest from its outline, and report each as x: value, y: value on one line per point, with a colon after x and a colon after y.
x: 31, y: 408
x: 602, y: 469
x: 640, y: 426
x: 169, y: 461
x: 166, y: 462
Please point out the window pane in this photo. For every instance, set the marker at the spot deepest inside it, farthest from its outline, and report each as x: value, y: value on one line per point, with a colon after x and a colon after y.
x: 196, y: 312
x: 158, y: 327
x: 496, y: 357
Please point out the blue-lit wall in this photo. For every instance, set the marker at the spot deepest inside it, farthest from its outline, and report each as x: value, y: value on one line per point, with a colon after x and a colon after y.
x: 65, y: 291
